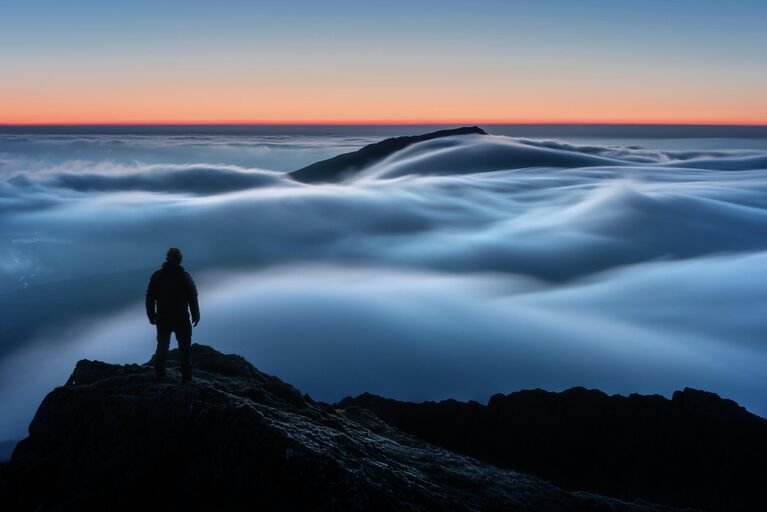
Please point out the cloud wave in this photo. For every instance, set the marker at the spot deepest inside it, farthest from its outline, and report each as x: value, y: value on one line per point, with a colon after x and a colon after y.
x: 462, y: 266
x: 193, y: 179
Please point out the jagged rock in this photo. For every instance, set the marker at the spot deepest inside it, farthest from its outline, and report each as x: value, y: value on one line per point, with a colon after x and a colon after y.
x: 343, y: 166
x: 695, y: 450
x: 237, y: 439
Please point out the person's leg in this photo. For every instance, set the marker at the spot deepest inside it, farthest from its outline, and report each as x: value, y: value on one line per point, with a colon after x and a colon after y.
x: 184, y: 338
x: 161, y: 354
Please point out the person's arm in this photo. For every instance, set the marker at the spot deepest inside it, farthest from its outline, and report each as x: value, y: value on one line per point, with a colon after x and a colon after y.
x: 194, y: 306
x: 151, y: 300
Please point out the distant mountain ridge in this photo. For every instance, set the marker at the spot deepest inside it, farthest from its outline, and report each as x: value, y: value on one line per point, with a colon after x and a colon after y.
x: 339, y: 167
x: 237, y: 439
x: 695, y: 450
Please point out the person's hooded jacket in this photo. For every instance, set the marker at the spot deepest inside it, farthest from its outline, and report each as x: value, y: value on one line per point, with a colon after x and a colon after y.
x: 170, y: 295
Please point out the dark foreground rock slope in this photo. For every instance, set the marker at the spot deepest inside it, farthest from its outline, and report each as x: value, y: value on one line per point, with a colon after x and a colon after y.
x: 345, y: 165
x: 6, y: 448
x: 695, y: 450
x: 237, y: 439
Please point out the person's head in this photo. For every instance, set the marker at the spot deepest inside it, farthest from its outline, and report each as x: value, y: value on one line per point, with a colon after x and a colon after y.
x: 174, y: 256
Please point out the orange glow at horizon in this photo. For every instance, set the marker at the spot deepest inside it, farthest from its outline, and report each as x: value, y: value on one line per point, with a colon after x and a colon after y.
x: 43, y: 120
x: 393, y: 122
x: 128, y: 116
x: 325, y: 102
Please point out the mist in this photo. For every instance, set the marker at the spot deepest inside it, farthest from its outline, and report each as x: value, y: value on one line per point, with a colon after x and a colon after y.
x: 459, y: 267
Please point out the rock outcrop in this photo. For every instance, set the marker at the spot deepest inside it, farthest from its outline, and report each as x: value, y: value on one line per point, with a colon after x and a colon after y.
x: 695, y: 450
x: 237, y: 439
x: 6, y: 448
x: 345, y: 165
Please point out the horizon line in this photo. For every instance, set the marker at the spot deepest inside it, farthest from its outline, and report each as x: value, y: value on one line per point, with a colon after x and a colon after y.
x: 394, y: 122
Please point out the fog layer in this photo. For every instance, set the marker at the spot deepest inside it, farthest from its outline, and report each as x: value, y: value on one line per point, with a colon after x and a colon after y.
x: 458, y: 267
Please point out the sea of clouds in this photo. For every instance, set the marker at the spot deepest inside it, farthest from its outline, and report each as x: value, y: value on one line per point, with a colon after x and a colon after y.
x: 458, y: 267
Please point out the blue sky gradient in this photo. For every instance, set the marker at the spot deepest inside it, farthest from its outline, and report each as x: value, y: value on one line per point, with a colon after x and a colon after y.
x: 691, y: 60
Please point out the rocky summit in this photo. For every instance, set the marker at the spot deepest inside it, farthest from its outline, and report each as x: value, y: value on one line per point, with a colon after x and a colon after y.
x: 112, y: 438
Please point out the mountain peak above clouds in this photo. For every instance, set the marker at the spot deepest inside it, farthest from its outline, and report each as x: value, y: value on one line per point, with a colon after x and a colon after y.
x: 337, y: 168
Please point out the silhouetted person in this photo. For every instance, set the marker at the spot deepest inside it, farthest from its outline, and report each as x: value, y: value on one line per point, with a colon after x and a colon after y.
x: 170, y: 296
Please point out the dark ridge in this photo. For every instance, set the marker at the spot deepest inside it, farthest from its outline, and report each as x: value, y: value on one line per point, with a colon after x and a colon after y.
x: 342, y: 166
x: 695, y: 450
x: 113, y: 439
x: 6, y: 448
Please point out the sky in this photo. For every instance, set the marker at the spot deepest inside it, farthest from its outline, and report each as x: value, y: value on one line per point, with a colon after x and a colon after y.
x: 287, y: 61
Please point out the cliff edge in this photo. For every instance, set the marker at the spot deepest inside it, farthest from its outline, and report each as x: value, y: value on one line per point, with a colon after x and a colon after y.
x: 237, y: 439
